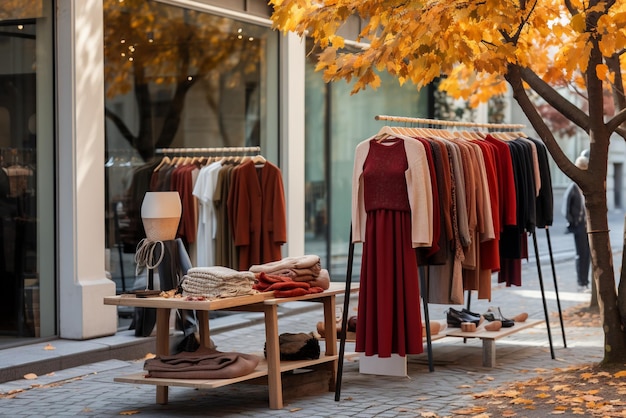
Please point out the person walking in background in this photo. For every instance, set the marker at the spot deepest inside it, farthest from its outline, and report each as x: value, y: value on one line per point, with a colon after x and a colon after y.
x: 574, y: 211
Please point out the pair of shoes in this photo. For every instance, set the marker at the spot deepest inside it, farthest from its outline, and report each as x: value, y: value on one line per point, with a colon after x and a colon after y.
x: 454, y: 318
x: 584, y: 289
x: 468, y: 312
x: 494, y: 314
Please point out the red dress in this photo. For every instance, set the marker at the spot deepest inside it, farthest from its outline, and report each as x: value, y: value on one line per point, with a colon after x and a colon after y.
x: 389, y: 318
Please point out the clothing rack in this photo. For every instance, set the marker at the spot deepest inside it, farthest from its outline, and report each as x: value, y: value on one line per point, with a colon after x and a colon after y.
x: 442, y: 124
x: 212, y: 150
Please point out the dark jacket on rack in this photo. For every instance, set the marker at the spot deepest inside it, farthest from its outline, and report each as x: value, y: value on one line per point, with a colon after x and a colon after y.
x: 545, y: 199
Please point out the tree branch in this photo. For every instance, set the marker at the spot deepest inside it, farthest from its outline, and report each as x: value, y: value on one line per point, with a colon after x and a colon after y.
x: 514, y: 78
x: 613, y: 124
x: 525, y: 20
x: 568, y: 4
x: 554, y: 99
x: 120, y: 125
x: 619, y: 99
x: 143, y: 141
x: 594, y: 84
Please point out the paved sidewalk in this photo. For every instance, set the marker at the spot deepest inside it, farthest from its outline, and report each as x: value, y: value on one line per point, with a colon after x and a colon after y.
x: 90, y: 390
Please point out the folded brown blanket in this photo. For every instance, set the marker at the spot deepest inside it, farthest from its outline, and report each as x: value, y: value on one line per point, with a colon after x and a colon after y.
x: 321, y: 280
x: 203, y: 364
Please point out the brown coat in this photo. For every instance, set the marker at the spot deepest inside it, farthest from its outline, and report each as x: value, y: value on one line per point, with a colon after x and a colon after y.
x: 256, y: 208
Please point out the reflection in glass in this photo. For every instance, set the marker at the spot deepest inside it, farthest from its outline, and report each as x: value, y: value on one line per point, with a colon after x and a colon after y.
x: 175, y: 79
x: 22, y: 96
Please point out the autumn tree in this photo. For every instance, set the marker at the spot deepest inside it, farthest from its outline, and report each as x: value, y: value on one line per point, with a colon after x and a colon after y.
x: 479, y: 47
x: 152, y: 47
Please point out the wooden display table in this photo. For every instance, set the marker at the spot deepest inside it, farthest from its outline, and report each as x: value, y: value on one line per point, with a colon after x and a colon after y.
x: 262, y: 302
x: 489, y: 337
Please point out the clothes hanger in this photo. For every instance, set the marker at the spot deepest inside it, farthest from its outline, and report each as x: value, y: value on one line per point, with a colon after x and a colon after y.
x: 471, y: 135
x: 401, y: 130
x: 386, y: 132
x: 445, y: 134
x: 164, y: 161
x: 258, y: 160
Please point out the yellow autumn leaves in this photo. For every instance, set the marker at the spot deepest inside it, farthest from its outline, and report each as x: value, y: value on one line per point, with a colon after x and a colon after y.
x: 423, y: 40
x: 572, y: 391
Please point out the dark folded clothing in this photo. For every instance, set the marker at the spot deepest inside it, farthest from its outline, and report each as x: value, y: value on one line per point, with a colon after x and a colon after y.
x: 202, y: 364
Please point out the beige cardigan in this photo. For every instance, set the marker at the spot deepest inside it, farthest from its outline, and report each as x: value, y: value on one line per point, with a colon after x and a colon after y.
x: 419, y: 191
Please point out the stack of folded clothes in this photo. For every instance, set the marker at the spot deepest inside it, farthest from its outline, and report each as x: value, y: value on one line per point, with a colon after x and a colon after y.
x: 217, y: 282
x: 306, y: 268
x: 283, y: 287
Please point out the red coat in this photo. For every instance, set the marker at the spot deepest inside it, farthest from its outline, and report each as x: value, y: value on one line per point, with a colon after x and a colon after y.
x: 257, y: 210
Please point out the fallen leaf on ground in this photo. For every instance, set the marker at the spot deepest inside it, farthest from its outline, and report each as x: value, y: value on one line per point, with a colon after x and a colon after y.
x: 469, y: 411
x: 30, y: 376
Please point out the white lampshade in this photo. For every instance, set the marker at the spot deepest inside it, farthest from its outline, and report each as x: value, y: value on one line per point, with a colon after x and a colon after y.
x: 160, y: 213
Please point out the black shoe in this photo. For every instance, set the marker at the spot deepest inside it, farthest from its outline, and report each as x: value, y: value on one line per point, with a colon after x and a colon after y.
x: 470, y: 313
x: 455, y: 318
x: 494, y: 314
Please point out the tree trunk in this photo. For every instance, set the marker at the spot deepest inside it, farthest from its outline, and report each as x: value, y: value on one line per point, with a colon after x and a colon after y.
x: 593, y: 184
x: 621, y: 290
x: 603, y: 274
x: 593, y: 303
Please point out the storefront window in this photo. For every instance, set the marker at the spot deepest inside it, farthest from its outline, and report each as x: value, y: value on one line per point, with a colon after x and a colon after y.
x: 336, y: 122
x: 179, y: 83
x: 27, y: 266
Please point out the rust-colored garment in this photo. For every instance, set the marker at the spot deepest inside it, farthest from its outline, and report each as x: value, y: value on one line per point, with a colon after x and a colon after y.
x: 489, y: 250
x: 424, y: 253
x: 257, y: 211
x: 284, y: 287
x: 182, y: 181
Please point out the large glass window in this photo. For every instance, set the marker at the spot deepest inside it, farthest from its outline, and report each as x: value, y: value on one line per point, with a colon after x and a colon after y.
x: 178, y: 81
x: 27, y: 266
x: 336, y: 122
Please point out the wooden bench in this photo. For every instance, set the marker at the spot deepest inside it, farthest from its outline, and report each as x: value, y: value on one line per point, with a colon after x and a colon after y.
x: 489, y: 337
x: 269, y: 369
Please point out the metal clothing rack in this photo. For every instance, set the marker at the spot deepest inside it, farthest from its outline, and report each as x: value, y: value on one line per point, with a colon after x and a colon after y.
x: 442, y: 124
x: 543, y: 294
